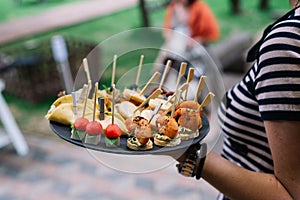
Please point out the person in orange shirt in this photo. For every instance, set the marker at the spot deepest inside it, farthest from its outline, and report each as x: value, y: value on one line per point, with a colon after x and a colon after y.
x: 187, y: 25
x: 188, y: 29
x: 193, y: 18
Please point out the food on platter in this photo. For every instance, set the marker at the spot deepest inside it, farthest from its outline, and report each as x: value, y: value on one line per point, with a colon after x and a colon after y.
x: 188, y: 115
x: 64, y: 113
x: 93, y: 133
x: 134, y: 144
x: 164, y: 102
x: 78, y: 128
x: 61, y: 110
x: 132, y: 118
x: 113, y: 131
x: 191, y: 105
x: 118, y: 120
x: 149, y: 115
x: 62, y: 99
x: 112, y: 135
x: 154, y: 95
x: 142, y: 134
x: 167, y: 134
x: 126, y: 109
x: 133, y: 96
x: 189, y: 122
x: 107, y: 95
x: 93, y: 128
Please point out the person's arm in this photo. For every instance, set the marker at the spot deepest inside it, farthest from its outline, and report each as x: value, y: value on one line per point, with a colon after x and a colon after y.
x: 239, y: 183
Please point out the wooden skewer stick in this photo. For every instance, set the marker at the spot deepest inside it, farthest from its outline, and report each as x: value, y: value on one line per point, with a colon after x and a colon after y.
x: 177, y: 97
x: 155, y: 111
x: 168, y: 65
x: 173, y: 106
x: 86, y: 69
x: 114, y: 70
x: 189, y: 79
x: 206, y: 100
x: 181, y: 74
x: 87, y: 72
x: 155, y: 94
x: 86, y: 97
x: 95, y: 100
x: 200, y: 87
x: 113, y: 104
x: 182, y: 89
x: 154, y: 78
x: 74, y: 102
x: 137, y: 80
x: 83, y: 93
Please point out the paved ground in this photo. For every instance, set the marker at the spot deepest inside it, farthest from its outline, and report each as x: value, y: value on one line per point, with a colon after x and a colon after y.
x: 58, y: 170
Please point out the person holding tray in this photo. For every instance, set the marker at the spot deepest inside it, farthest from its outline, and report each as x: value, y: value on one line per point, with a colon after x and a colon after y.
x: 261, y: 122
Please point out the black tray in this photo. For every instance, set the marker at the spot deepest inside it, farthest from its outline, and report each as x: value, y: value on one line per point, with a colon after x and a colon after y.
x: 65, y: 132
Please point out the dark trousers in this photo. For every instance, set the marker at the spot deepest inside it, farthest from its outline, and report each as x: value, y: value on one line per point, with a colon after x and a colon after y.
x: 235, y: 5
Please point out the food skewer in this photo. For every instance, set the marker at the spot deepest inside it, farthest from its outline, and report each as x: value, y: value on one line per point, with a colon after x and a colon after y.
x: 177, y: 97
x: 206, y: 101
x: 94, y: 128
x: 79, y: 125
x: 87, y: 72
x: 139, y: 72
x: 86, y: 69
x: 95, y: 100
x: 155, y: 111
x: 113, y: 104
x: 86, y: 98
x: 113, y: 131
x: 168, y: 65
x: 174, y: 96
x: 154, y: 78
x: 155, y: 94
x: 200, y: 87
x: 189, y: 79
x: 74, y: 102
x: 182, y: 89
x: 114, y: 70
x: 159, y: 90
x: 181, y: 74
x: 82, y: 95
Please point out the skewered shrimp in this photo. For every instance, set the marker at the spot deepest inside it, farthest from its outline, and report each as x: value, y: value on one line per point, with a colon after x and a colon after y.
x: 188, y: 118
x: 167, y: 126
x: 191, y: 105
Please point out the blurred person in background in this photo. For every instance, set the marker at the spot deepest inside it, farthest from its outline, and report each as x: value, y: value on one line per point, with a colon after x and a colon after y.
x: 261, y: 123
x: 187, y: 25
x: 193, y: 18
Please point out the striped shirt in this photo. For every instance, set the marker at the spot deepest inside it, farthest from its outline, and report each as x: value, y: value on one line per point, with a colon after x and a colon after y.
x: 270, y: 90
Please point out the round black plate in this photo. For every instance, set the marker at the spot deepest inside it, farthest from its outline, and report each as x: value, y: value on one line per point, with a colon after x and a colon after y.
x: 65, y: 132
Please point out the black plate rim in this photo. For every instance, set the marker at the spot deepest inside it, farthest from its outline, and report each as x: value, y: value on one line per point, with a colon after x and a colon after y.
x: 64, y: 132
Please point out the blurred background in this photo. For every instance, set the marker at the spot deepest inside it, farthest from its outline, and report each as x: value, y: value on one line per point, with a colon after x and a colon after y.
x: 48, y: 167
